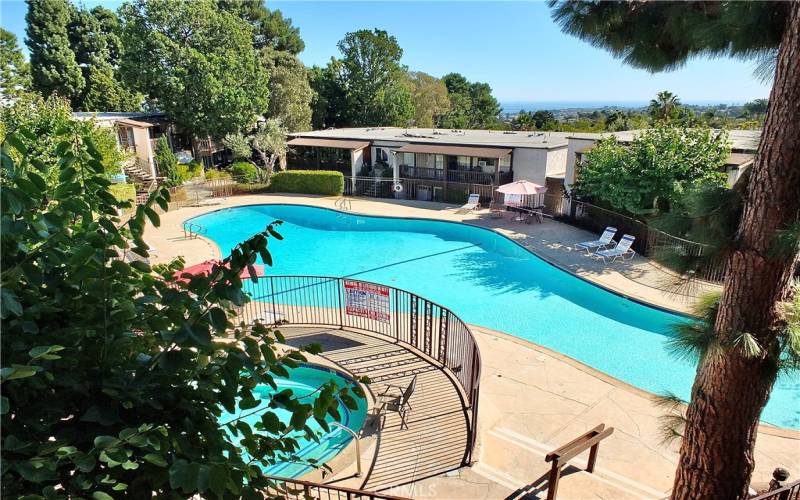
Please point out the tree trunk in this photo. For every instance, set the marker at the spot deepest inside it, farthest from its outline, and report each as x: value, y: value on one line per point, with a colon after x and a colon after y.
x: 730, y: 388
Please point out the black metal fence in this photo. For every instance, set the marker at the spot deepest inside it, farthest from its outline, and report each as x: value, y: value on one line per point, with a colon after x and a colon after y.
x: 789, y: 492
x: 417, y: 189
x: 649, y: 242
x: 400, y: 315
x: 295, y: 489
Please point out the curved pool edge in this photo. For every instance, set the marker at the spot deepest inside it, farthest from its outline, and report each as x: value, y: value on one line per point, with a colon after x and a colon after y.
x: 345, y: 458
x: 764, y: 426
x: 544, y: 259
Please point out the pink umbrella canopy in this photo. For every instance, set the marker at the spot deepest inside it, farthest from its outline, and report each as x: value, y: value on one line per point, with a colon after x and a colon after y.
x: 521, y: 187
x: 207, y: 266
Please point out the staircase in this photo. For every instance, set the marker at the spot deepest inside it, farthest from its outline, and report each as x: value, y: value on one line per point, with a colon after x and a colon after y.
x: 372, y: 190
x: 144, y: 182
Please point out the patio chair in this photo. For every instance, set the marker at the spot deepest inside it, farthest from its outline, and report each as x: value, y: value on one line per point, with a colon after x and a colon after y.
x: 472, y: 203
x: 622, y: 250
x: 607, y: 238
x: 396, y: 398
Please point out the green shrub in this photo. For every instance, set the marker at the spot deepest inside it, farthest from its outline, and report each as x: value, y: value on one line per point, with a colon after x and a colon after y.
x: 189, y: 171
x: 244, y: 171
x: 123, y: 192
x: 213, y: 175
x: 308, y: 182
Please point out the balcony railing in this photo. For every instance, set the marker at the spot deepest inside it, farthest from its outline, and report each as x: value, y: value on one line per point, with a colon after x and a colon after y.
x: 463, y: 176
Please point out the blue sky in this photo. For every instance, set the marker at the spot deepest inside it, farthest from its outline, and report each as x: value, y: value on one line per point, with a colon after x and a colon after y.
x: 513, y: 46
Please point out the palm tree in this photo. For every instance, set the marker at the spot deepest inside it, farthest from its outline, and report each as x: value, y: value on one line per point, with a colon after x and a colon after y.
x: 664, y: 106
x: 732, y: 385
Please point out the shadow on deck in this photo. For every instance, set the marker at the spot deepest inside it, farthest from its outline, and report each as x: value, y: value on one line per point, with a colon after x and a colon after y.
x: 438, y: 427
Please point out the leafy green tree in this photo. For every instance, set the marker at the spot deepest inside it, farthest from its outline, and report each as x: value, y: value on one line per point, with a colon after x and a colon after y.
x: 429, y: 98
x: 239, y: 146
x: 50, y: 122
x: 114, y: 372
x: 471, y: 104
x: 166, y: 160
x: 749, y: 323
x: 372, y: 76
x: 15, y: 75
x: 328, y: 106
x: 197, y: 62
x: 54, y: 69
x: 95, y: 42
x: 289, y: 89
x: 756, y: 108
x: 269, y: 141
x: 270, y: 29
x: 652, y: 172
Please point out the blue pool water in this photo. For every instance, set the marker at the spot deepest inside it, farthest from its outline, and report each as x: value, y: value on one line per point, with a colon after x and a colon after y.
x: 304, y: 381
x: 487, y: 280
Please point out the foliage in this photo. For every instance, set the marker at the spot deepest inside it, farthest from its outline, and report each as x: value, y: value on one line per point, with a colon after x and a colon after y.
x: 54, y: 69
x: 529, y: 120
x: 325, y: 182
x: 289, y: 90
x: 244, y: 171
x: 747, y: 30
x: 188, y: 171
x: 216, y: 175
x: 123, y: 192
x: 239, y: 146
x: 429, y: 98
x: 328, y: 107
x: 114, y: 373
x: 15, y: 75
x: 270, y: 29
x: 665, y: 106
x: 269, y: 141
x: 50, y: 122
x: 471, y: 104
x: 166, y: 160
x: 197, y: 62
x: 371, y: 76
x: 654, y: 171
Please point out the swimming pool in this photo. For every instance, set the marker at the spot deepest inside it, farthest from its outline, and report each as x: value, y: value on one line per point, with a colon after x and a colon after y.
x: 304, y: 381
x: 489, y: 280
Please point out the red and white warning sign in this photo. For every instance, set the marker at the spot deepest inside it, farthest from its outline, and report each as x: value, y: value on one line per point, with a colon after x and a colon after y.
x: 367, y: 300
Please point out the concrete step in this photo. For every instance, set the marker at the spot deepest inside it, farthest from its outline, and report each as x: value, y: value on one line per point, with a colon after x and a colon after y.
x: 511, y: 459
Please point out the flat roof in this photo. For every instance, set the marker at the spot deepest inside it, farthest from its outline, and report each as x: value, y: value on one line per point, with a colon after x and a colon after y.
x: 489, y: 138
x: 741, y: 140
x: 327, y: 143
x: 118, y: 115
x: 480, y: 152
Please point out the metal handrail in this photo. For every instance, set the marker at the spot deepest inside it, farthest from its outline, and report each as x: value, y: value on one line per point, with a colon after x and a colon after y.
x: 786, y: 492
x: 409, y: 319
x: 358, y: 445
x: 303, y: 490
x: 192, y: 229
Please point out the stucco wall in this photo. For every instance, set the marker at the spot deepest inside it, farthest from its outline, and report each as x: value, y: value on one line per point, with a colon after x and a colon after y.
x: 573, y: 146
x: 141, y: 138
x: 530, y: 164
x: 557, y: 161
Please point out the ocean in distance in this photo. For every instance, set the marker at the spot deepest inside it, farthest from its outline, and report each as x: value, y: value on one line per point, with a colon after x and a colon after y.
x: 514, y: 107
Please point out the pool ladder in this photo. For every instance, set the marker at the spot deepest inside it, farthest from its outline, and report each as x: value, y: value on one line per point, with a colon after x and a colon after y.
x: 358, y: 444
x: 193, y: 230
x: 344, y: 204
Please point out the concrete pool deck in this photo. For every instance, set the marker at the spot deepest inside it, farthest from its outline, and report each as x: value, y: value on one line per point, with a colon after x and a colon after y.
x: 533, y: 399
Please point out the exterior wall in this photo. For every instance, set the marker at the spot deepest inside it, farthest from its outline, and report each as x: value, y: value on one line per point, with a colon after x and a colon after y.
x: 141, y: 139
x: 557, y: 161
x: 573, y: 146
x: 356, y: 161
x: 530, y: 164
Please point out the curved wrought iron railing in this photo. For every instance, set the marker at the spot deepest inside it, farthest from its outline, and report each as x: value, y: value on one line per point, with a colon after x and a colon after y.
x: 360, y: 305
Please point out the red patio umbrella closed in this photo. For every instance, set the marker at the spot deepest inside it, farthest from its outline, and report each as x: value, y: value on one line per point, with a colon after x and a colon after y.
x: 207, y: 266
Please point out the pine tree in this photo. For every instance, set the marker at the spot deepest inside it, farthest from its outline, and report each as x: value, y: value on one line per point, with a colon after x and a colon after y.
x: 741, y: 351
x: 14, y: 71
x: 54, y: 69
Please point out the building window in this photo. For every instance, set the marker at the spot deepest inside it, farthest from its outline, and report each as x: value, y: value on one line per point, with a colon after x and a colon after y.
x: 381, y: 155
x: 439, y: 161
x: 505, y: 163
x: 463, y: 161
x: 408, y: 159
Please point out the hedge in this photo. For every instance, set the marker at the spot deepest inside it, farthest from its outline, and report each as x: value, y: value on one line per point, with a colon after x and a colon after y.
x: 123, y: 192
x: 308, y: 182
x: 244, y: 171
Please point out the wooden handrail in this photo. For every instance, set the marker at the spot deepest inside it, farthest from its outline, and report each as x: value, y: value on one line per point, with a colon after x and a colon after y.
x: 561, y: 455
x: 783, y: 493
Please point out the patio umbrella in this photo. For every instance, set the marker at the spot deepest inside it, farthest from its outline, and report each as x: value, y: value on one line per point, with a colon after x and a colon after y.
x: 521, y: 187
x: 206, y: 267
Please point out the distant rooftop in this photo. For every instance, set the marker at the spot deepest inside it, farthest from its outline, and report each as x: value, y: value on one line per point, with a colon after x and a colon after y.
x: 117, y: 115
x: 498, y: 138
x: 741, y: 140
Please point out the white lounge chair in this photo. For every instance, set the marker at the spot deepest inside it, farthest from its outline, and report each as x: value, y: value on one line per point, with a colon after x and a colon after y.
x: 607, y: 238
x: 622, y: 250
x: 472, y: 203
